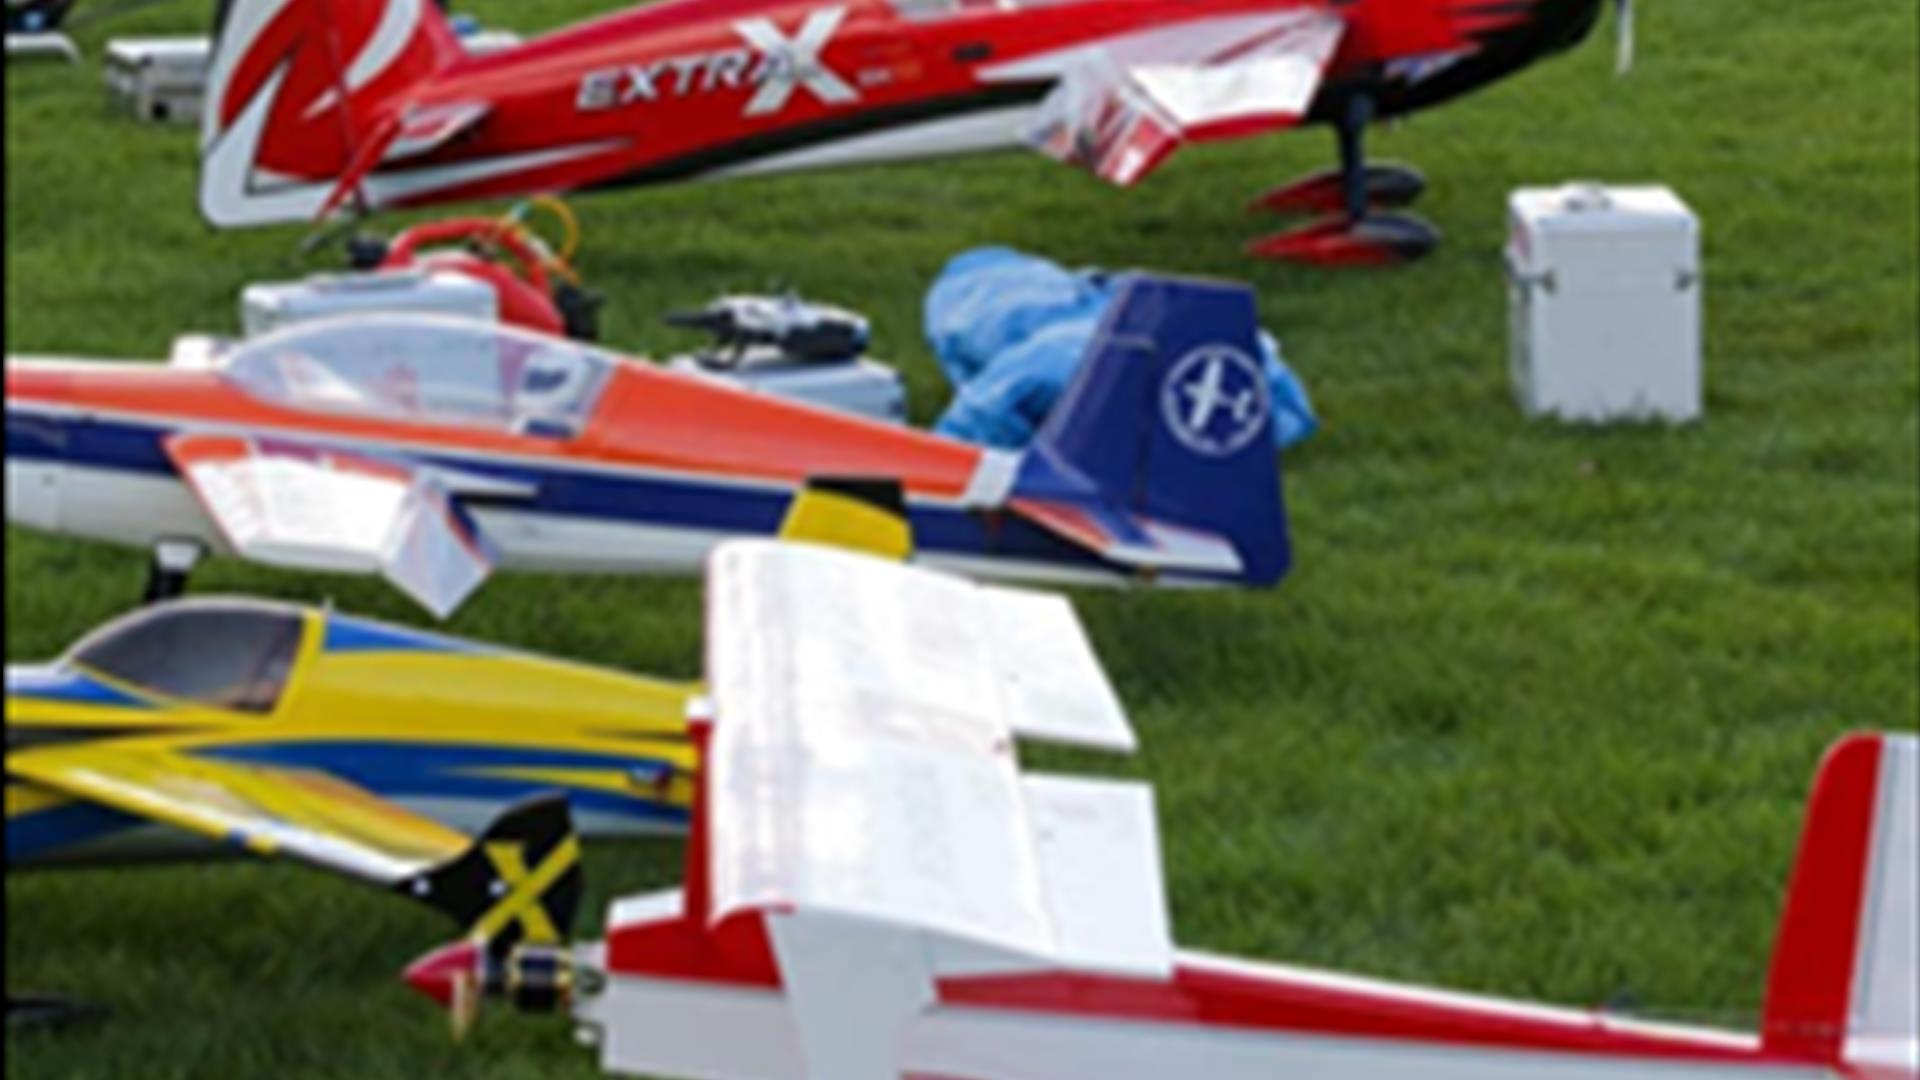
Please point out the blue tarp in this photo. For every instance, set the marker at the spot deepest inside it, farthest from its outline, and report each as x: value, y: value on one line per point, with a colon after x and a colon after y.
x: 1009, y: 330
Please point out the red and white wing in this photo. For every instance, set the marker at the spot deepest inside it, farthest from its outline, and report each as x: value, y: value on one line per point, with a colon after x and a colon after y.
x: 290, y: 505
x: 1120, y: 108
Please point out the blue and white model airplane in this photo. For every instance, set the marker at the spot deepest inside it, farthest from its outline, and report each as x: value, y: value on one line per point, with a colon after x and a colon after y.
x: 431, y: 451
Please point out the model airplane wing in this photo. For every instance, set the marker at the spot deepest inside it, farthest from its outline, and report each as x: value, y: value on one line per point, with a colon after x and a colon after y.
x: 926, y: 637
x: 888, y: 789
x: 292, y: 505
x: 1120, y: 109
x: 323, y: 820
x: 309, y: 815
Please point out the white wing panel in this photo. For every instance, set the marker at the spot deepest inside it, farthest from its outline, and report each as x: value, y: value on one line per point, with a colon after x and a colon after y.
x: 863, y: 760
x: 293, y: 506
x: 1053, y: 685
x: 292, y: 513
x: 1100, y: 864
x: 860, y: 764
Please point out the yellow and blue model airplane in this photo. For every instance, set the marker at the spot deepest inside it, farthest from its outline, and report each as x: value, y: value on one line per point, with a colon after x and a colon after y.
x: 447, y: 770
x: 450, y: 771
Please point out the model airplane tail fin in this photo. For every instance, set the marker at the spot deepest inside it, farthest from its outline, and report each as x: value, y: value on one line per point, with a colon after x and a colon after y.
x: 1844, y: 988
x: 303, y: 100
x: 1160, y: 454
x: 860, y: 513
x: 519, y: 883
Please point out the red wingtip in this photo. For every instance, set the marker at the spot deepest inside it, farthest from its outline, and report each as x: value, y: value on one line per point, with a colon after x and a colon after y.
x: 440, y: 973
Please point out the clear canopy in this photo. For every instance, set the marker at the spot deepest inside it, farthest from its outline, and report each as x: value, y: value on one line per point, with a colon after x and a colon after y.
x: 428, y: 369
x: 229, y: 654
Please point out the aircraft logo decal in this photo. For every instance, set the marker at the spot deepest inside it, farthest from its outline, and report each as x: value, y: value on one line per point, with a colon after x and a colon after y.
x: 770, y: 62
x: 1215, y: 400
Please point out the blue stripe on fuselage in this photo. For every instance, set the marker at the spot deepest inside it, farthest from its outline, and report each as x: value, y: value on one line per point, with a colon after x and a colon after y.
x: 402, y: 770
x: 346, y: 633
x: 627, y: 497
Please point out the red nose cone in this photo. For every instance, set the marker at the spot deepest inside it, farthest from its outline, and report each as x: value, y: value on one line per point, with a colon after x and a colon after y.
x: 438, y: 973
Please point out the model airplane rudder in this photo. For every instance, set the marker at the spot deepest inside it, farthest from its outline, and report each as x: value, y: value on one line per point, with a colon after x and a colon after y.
x: 1169, y: 423
x: 1844, y: 987
x: 306, y: 97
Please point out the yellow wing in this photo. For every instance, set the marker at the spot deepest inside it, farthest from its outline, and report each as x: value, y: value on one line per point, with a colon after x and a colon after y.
x: 311, y: 816
x: 518, y: 881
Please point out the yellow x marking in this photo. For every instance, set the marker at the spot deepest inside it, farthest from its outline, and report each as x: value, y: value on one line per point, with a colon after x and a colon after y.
x: 522, y: 902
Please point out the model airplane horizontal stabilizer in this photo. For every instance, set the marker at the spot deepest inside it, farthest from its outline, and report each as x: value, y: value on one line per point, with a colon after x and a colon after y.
x: 1135, y: 541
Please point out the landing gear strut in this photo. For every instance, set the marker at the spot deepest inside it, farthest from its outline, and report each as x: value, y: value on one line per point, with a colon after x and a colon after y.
x: 1353, y: 231
x: 173, y: 561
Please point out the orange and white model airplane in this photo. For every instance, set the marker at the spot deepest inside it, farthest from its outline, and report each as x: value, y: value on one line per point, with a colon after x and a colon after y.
x: 432, y: 451
x: 876, y: 891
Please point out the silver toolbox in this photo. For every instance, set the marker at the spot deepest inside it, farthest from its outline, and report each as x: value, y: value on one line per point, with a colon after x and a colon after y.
x: 1604, y: 286
x: 855, y: 385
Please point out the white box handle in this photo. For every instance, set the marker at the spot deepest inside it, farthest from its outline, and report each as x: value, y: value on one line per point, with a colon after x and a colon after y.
x: 1527, y: 279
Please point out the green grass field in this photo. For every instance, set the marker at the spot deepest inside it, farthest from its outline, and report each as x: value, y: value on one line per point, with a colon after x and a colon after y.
x: 1534, y: 714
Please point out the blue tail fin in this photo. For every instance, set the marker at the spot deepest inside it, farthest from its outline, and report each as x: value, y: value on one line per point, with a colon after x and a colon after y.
x: 1160, y: 453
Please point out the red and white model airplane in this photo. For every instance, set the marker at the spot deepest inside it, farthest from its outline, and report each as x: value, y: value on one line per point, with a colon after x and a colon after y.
x: 875, y: 891
x: 319, y: 105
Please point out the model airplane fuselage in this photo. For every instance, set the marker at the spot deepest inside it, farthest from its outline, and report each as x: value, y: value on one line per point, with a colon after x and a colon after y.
x: 289, y: 708
x: 385, y: 109
x: 877, y: 891
x: 430, y: 451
